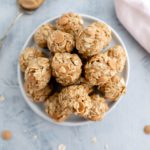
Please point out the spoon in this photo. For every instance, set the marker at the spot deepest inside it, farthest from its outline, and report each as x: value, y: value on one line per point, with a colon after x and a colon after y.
x: 21, y: 11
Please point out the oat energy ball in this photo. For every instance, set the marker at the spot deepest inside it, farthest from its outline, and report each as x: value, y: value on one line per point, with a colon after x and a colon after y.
x: 55, y: 109
x: 114, y: 88
x: 117, y: 58
x: 66, y: 68
x: 89, y: 88
x: 59, y: 42
x: 70, y: 22
x: 37, y: 95
x: 97, y: 70
x: 38, y: 73
x: 76, y: 98
x: 30, y: 4
x: 99, y: 108
x: 27, y: 55
x: 105, y: 30
x: 41, y: 35
x: 93, y: 39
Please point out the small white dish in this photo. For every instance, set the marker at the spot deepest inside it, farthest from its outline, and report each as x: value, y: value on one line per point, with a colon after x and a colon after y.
x: 73, y: 120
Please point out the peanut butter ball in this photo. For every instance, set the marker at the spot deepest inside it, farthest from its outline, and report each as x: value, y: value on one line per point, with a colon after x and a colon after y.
x: 38, y: 73
x: 76, y: 98
x: 70, y: 22
x: 41, y: 35
x: 28, y: 54
x: 89, y: 88
x: 99, y: 108
x: 37, y: 96
x: 66, y: 68
x: 117, y: 57
x: 30, y: 4
x: 93, y: 39
x: 97, y: 70
x: 55, y: 109
x: 114, y: 88
x: 60, y: 42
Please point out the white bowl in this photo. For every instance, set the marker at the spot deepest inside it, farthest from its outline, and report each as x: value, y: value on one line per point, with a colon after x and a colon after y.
x: 73, y: 120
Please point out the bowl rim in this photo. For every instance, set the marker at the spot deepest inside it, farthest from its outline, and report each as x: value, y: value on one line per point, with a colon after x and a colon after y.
x: 45, y: 116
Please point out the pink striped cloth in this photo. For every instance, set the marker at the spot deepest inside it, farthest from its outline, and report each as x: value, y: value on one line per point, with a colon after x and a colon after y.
x: 134, y: 15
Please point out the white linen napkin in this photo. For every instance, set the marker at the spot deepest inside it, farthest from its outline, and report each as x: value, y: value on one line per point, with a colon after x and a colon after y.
x: 134, y: 15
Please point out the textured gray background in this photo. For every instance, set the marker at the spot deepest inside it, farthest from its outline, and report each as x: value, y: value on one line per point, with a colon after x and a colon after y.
x: 120, y: 130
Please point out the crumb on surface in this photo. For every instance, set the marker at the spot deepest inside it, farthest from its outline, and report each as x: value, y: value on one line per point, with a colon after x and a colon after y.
x: 61, y: 147
x: 94, y: 140
x: 35, y: 137
x: 6, y: 135
x: 2, y: 98
x: 106, y: 147
x: 147, y: 129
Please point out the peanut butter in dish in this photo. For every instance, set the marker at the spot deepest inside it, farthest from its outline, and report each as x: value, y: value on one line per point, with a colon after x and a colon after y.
x: 30, y: 4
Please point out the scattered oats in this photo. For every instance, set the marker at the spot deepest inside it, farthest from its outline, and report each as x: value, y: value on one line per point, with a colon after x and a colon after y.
x: 61, y: 147
x: 94, y: 140
x: 2, y: 98
x: 35, y: 137
x: 106, y: 147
